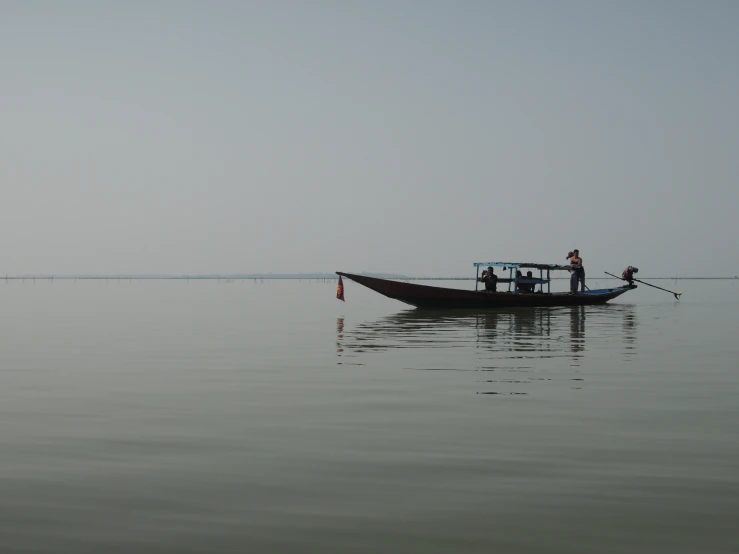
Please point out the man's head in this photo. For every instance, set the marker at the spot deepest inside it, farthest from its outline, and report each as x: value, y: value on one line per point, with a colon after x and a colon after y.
x: 576, y: 252
x: 490, y: 269
x: 528, y: 274
x: 635, y: 269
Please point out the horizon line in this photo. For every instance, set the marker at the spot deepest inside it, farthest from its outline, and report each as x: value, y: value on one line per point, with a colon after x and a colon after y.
x: 283, y: 276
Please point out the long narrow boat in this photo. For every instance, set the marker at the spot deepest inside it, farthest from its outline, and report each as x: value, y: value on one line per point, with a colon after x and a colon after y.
x: 425, y: 296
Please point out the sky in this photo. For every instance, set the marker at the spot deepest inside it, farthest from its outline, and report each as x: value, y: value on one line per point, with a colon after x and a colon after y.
x: 412, y: 137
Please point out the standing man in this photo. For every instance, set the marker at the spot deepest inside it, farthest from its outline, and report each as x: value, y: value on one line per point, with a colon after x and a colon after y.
x: 578, y: 272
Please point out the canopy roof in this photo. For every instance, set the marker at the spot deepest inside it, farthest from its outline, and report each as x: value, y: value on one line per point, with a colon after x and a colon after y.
x: 525, y: 265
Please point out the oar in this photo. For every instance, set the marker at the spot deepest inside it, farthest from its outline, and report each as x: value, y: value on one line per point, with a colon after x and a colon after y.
x: 675, y: 294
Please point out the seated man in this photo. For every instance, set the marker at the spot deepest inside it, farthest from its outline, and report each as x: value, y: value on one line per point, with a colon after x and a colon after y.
x: 490, y: 279
x: 525, y: 287
x: 530, y: 286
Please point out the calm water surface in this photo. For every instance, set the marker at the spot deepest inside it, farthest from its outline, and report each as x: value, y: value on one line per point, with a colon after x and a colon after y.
x: 245, y: 417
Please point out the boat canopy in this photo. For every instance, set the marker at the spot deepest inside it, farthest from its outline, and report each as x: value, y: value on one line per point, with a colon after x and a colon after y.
x: 523, y: 265
x: 514, y: 280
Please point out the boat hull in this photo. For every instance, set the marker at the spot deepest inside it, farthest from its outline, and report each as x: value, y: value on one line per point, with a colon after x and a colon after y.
x: 429, y: 297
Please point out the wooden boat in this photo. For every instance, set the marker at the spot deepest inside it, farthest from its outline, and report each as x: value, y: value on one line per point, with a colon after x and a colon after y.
x: 425, y: 296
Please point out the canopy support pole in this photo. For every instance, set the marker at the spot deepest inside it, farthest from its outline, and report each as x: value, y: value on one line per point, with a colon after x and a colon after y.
x: 477, y: 277
x: 541, y: 276
x: 510, y: 277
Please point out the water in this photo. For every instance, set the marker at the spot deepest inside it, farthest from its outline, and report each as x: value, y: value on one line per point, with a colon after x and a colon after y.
x: 158, y: 416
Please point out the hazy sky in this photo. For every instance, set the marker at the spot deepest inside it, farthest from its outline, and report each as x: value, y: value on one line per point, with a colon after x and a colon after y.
x: 412, y: 137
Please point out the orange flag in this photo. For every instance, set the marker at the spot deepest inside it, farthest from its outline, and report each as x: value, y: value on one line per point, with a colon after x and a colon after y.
x: 340, y: 290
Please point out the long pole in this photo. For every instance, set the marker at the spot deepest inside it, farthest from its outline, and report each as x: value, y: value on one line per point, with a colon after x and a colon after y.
x: 675, y: 294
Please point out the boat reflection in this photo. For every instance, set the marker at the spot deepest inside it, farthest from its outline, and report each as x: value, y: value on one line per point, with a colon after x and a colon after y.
x: 536, y: 343
x: 629, y: 333
x: 339, y: 334
x: 577, y: 331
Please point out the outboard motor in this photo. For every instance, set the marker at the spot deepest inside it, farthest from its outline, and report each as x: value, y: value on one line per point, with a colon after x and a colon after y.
x: 628, y: 275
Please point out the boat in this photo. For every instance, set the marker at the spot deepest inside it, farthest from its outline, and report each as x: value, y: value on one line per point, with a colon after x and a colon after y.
x: 431, y: 297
